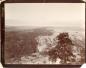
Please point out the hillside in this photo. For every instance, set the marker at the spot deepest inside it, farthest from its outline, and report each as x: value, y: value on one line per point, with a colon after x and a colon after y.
x: 30, y: 46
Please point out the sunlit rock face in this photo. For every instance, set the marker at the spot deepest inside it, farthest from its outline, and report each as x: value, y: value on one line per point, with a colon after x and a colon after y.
x: 46, y: 42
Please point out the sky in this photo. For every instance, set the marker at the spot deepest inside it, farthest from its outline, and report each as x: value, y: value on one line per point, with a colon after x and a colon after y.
x: 45, y: 14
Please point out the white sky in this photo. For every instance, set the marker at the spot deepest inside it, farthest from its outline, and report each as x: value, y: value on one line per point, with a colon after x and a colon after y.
x: 45, y: 14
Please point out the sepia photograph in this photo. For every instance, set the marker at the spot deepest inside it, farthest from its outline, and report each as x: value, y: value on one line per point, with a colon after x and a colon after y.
x: 44, y: 33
